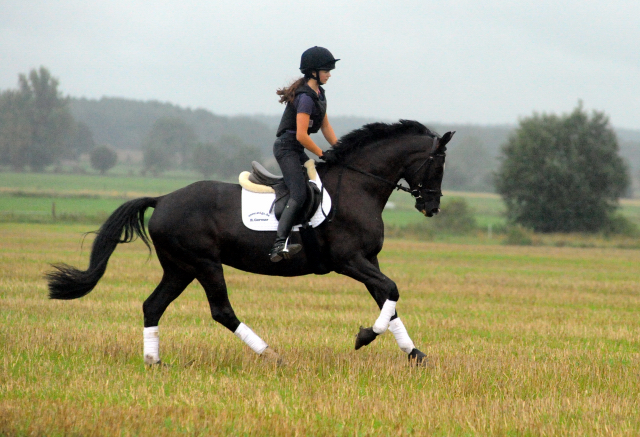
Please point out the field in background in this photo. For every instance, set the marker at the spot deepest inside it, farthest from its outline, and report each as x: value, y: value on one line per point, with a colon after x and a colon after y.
x: 93, y: 185
x: 29, y: 197
x: 522, y: 341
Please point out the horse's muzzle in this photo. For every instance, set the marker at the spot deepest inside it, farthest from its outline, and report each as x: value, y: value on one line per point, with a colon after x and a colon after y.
x: 428, y: 209
x: 431, y: 212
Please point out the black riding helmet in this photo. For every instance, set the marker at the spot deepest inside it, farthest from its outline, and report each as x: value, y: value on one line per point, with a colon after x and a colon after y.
x: 315, y: 59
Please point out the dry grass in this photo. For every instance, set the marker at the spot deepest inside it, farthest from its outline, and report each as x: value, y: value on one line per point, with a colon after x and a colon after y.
x: 523, y: 341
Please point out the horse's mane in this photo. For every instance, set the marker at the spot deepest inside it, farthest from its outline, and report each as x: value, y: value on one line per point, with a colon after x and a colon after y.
x: 369, y: 133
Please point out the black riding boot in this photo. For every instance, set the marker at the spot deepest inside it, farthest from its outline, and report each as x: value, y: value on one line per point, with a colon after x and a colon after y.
x: 287, y: 220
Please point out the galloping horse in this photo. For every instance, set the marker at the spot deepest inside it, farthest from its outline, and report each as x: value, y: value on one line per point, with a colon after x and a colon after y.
x: 197, y: 229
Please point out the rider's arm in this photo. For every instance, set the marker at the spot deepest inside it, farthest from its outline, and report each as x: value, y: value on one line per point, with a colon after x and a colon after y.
x: 328, y: 132
x: 302, y: 124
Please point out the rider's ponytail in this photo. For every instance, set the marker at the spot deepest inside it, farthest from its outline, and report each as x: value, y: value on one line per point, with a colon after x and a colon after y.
x: 288, y: 94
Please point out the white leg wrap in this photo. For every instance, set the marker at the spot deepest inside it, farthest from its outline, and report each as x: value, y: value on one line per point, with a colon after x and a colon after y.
x: 151, y: 345
x: 245, y: 334
x: 402, y: 336
x: 388, y: 310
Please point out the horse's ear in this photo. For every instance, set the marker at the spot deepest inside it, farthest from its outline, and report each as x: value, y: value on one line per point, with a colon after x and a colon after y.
x: 445, y: 139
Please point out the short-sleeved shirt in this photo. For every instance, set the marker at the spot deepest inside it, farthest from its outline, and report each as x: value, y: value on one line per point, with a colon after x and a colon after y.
x: 304, y: 105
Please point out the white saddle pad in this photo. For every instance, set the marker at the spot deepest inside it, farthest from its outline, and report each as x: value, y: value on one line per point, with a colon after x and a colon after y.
x: 256, y: 206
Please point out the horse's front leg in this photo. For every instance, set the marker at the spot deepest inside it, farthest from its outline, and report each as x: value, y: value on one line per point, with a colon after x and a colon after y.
x: 385, y: 292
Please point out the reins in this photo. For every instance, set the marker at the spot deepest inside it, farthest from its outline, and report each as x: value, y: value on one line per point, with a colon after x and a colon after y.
x: 366, y: 173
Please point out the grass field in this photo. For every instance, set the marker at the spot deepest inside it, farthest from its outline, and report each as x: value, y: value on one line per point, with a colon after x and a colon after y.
x: 522, y: 341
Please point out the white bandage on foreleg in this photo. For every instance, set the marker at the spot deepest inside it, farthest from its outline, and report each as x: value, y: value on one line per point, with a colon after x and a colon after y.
x: 151, y: 345
x: 402, y: 336
x: 245, y: 334
x: 388, y: 310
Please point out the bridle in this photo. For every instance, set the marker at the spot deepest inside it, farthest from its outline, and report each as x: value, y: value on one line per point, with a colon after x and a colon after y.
x: 415, y: 192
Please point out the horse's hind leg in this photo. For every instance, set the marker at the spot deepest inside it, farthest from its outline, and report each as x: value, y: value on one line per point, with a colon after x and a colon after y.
x: 211, y: 277
x: 173, y: 283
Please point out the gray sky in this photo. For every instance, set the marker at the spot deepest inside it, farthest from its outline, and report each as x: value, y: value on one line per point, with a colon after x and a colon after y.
x: 450, y: 62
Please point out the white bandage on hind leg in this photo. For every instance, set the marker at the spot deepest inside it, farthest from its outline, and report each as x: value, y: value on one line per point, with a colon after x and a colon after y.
x: 151, y: 345
x: 402, y: 336
x: 388, y: 310
x: 244, y: 333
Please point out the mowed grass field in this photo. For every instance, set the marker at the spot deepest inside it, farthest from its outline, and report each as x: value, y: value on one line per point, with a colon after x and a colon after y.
x: 522, y: 341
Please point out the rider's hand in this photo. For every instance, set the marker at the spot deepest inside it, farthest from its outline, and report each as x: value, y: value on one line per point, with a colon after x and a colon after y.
x: 329, y: 156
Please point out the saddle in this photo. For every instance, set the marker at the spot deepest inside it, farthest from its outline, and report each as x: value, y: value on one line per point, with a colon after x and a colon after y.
x: 262, y: 181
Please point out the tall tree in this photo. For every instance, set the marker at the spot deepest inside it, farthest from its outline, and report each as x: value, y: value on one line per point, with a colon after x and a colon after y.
x: 16, y: 132
x: 50, y: 118
x: 562, y: 173
x: 35, y: 122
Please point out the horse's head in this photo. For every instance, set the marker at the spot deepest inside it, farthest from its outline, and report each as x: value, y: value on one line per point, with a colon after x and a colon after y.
x: 406, y: 141
x: 426, y: 180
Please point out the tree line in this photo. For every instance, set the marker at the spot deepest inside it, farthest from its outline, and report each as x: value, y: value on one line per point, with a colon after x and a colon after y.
x: 126, y: 123
x: 173, y: 143
x: 555, y: 173
x: 39, y: 127
x: 472, y: 159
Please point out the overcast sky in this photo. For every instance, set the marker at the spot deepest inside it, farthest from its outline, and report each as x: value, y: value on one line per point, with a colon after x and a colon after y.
x: 476, y: 62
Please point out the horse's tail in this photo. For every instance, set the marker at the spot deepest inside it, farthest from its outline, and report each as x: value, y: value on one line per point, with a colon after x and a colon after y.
x: 67, y: 282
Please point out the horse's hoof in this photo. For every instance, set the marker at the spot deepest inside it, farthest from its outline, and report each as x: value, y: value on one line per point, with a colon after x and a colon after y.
x: 272, y: 356
x: 364, y: 337
x: 418, y: 359
x: 150, y: 360
x: 156, y: 364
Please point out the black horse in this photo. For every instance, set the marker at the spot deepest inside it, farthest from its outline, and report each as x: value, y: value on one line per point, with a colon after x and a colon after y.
x: 197, y: 229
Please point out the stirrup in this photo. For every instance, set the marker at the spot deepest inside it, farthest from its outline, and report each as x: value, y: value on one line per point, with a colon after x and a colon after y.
x: 283, y: 250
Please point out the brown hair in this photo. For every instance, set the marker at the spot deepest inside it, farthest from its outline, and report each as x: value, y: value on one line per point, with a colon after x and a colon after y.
x: 288, y: 94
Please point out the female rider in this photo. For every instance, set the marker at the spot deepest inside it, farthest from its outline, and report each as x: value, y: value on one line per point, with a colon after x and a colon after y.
x: 305, y: 113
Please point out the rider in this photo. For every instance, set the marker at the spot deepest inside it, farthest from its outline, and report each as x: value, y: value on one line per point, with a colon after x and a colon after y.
x: 304, y: 114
